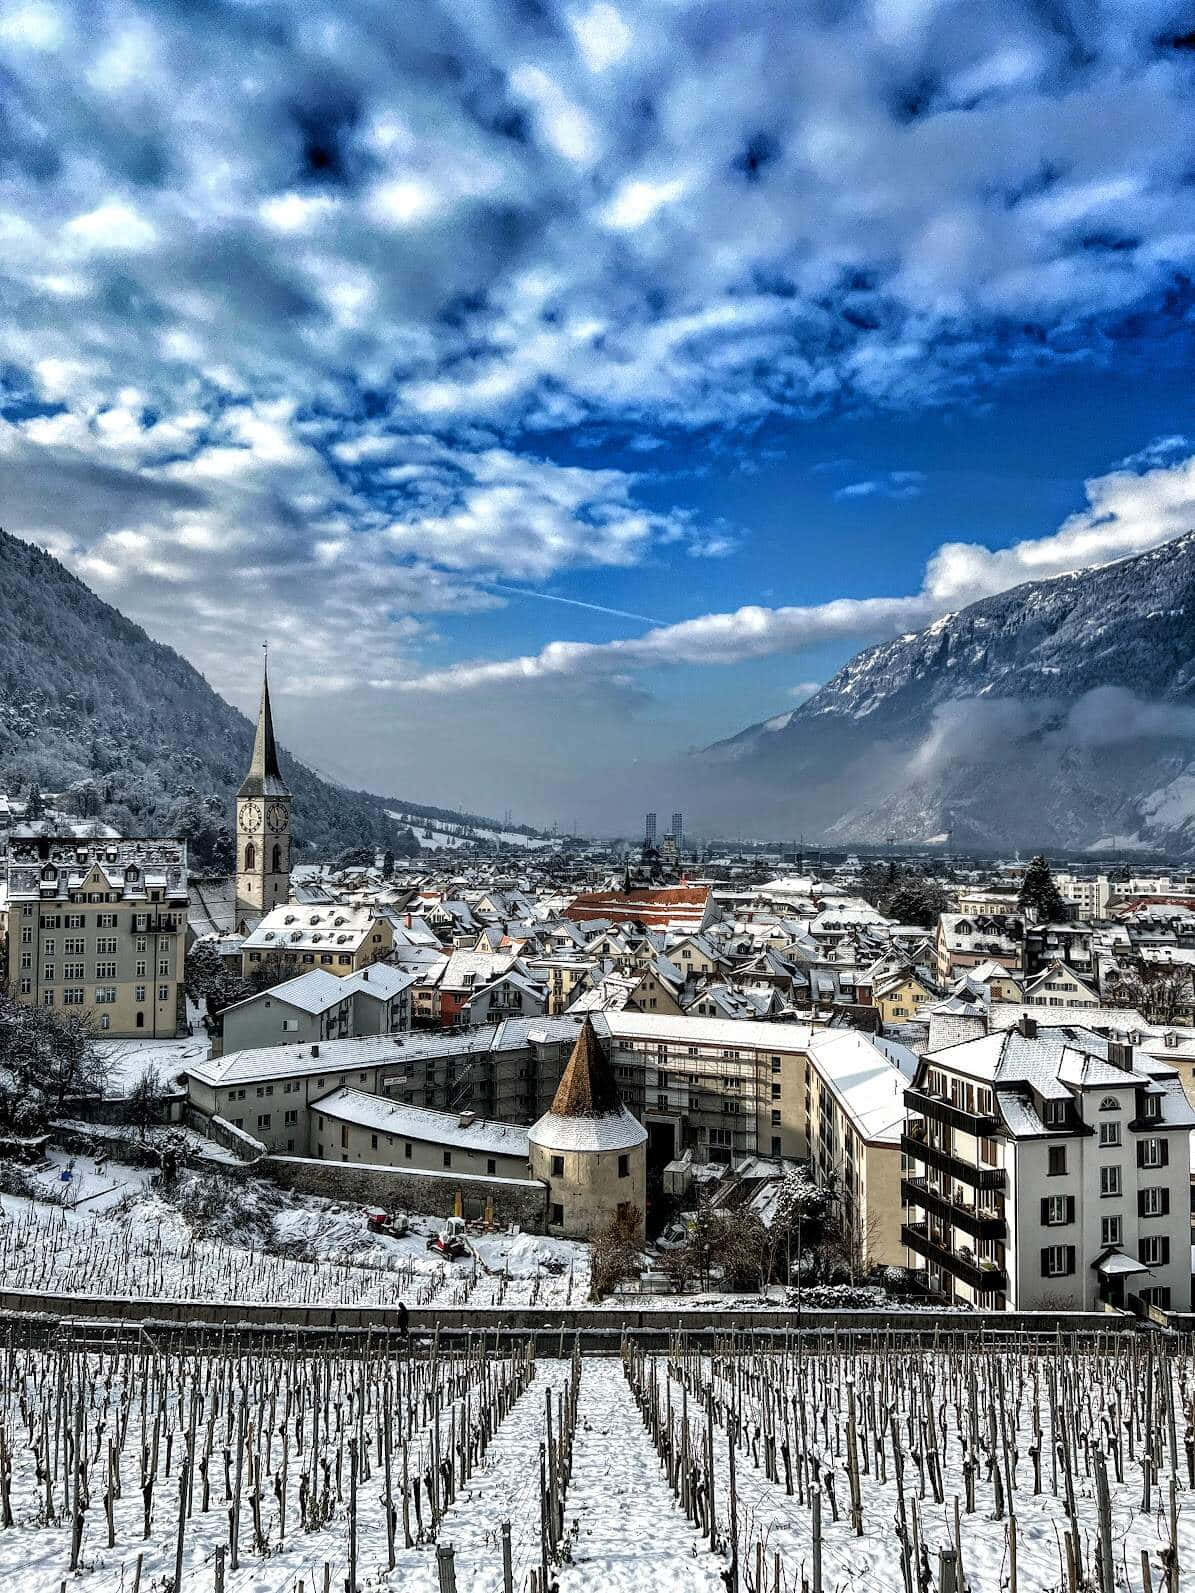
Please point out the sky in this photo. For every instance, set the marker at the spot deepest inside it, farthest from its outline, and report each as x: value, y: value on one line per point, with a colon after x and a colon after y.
x: 560, y: 388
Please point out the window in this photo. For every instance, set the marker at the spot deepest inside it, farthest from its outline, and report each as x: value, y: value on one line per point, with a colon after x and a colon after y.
x: 373, y: 1142
x: 72, y: 970
x: 1110, y: 1230
x: 1153, y: 1153
x: 557, y: 1166
x: 72, y: 946
x: 139, y: 971
x: 47, y: 973
x: 163, y: 967
x: 291, y: 1119
x: 163, y: 992
x: 1058, y: 1261
x: 105, y: 996
x: 105, y: 946
x: 142, y: 943
x: 1157, y: 1295
x: 556, y: 1215
x: 1055, y: 1114
x: 1109, y: 1134
x: 1057, y: 1210
x: 47, y: 947
x: 1109, y: 1104
x: 105, y: 970
x: 263, y: 1120
x: 1153, y: 1107
x: 1056, y: 1167
x: 1110, y: 1180
x: 624, y: 1166
x: 139, y: 993
x: 775, y: 1064
x: 775, y: 1092
x: 1153, y: 1202
x: 775, y: 1145
x: 47, y: 999
x: 406, y: 1150
x: 448, y: 1158
x: 1155, y: 1250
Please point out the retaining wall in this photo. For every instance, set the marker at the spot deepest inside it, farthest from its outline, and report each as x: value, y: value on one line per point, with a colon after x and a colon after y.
x: 484, y: 1319
x: 415, y: 1190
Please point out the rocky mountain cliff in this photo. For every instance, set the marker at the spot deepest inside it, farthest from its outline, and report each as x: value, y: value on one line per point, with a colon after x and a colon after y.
x: 91, y: 706
x: 1060, y: 713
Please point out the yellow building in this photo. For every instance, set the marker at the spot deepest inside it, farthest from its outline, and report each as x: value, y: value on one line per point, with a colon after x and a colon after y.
x: 97, y: 926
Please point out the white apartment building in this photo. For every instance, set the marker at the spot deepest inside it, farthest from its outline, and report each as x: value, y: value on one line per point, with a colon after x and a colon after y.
x: 1047, y: 1168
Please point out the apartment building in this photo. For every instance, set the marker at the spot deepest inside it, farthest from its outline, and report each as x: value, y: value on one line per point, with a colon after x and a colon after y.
x: 353, y: 1126
x: 854, y: 1119
x: 97, y: 926
x: 1048, y: 1169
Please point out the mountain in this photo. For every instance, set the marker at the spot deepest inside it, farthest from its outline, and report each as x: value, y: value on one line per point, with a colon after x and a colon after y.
x: 1060, y: 713
x: 91, y: 706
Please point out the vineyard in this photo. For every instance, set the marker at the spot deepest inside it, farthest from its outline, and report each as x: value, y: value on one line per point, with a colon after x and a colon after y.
x: 152, y: 1465
x: 320, y: 1255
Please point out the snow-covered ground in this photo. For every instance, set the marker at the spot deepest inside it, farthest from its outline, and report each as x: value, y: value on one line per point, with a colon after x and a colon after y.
x: 128, y: 1059
x: 434, y: 834
x: 252, y: 1242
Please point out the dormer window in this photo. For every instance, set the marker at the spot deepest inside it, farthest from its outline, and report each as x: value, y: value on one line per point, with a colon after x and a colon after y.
x: 1153, y: 1106
x: 1056, y: 1114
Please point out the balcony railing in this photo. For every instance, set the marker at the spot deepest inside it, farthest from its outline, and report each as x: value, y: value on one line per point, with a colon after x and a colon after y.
x: 982, y: 1278
x: 981, y: 1124
x: 979, y: 1223
x: 953, y: 1166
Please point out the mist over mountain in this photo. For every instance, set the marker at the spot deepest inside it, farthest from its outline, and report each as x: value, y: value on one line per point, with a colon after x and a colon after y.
x: 134, y: 735
x: 1060, y: 713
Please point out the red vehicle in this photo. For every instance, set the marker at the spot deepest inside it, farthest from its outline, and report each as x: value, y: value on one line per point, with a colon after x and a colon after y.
x: 393, y: 1223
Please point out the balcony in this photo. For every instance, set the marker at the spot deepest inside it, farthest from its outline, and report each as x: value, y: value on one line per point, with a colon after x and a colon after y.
x: 953, y: 1166
x: 980, y: 1124
x: 975, y: 1220
x: 984, y: 1279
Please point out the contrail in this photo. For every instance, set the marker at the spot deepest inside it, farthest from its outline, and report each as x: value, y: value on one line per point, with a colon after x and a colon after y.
x: 573, y: 602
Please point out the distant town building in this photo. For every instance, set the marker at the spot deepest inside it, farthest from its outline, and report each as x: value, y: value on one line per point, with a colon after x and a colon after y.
x: 649, y: 830
x: 677, y: 906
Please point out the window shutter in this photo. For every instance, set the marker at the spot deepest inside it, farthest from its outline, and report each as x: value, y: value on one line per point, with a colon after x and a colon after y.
x: 1070, y: 1259
x: 1165, y: 1144
x: 1045, y: 1261
x: 1070, y: 1208
x: 1164, y: 1252
x: 1166, y: 1205
x: 1140, y: 1153
x: 1045, y: 1211
x: 1141, y: 1203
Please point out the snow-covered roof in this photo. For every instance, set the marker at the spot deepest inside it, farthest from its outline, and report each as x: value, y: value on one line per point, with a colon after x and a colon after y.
x: 337, y: 928
x: 867, y: 1083
x: 379, y: 979
x: 616, y: 1131
x: 460, y: 1131
x: 312, y: 992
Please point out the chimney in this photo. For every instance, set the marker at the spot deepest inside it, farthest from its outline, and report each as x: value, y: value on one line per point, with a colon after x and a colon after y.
x: 1171, y: 1037
x: 365, y: 973
x: 407, y: 920
x: 315, y: 1050
x: 1028, y: 1026
x: 1120, y: 1055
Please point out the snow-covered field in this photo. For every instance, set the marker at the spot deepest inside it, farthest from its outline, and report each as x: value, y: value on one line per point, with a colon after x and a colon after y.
x: 141, y: 1458
x: 104, y: 1231
x: 433, y: 833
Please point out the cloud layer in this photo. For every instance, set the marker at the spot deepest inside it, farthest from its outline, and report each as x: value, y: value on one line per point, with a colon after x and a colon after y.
x: 1127, y: 512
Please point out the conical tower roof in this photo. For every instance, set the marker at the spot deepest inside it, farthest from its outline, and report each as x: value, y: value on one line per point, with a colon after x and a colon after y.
x: 264, y: 777
x: 587, y: 1112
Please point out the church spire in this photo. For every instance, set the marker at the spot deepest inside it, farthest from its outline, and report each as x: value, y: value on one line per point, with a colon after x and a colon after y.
x: 264, y: 777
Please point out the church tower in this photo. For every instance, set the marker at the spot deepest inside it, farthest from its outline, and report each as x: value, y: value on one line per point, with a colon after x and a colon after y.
x: 263, y: 823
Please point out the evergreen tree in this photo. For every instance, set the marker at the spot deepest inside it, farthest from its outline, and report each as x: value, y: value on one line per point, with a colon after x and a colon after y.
x: 1039, y: 896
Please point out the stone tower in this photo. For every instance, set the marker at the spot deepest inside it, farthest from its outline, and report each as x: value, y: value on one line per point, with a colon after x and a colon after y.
x: 263, y: 823
x: 588, y: 1149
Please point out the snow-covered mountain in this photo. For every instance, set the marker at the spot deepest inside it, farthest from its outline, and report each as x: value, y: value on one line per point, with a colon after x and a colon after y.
x: 1060, y: 713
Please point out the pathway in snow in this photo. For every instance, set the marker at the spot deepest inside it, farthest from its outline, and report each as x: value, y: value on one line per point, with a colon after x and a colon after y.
x: 633, y: 1537
x: 505, y: 1488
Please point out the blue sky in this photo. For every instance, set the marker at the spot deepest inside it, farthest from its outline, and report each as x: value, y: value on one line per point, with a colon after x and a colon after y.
x: 382, y: 330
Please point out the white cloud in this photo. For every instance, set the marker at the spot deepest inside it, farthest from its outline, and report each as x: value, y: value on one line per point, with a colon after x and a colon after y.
x: 637, y: 201
x: 113, y: 225
x: 1126, y: 513
x: 602, y: 36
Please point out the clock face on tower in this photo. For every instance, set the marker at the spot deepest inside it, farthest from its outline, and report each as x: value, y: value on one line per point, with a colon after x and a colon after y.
x: 276, y: 816
x: 252, y: 815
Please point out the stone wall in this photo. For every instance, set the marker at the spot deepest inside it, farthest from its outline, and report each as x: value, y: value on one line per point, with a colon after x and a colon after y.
x: 226, y: 1134
x: 427, y: 1194
x: 163, y: 1110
